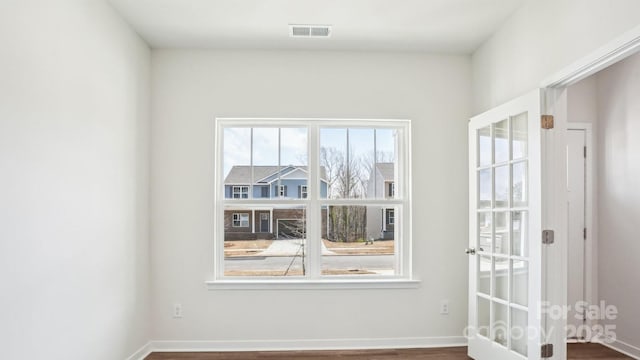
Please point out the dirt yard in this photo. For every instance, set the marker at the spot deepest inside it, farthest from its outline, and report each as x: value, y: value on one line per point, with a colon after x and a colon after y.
x: 381, y: 247
x: 245, y: 247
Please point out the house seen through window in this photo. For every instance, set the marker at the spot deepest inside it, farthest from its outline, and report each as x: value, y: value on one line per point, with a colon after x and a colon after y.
x: 328, y: 207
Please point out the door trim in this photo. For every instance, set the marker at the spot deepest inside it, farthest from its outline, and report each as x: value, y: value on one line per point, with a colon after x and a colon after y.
x: 591, y: 242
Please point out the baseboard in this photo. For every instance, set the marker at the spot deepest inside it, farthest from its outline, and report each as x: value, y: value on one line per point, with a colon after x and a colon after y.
x: 620, y: 346
x: 318, y: 344
x: 142, y: 353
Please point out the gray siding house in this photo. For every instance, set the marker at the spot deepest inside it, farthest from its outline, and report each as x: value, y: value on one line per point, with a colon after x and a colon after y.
x: 268, y: 221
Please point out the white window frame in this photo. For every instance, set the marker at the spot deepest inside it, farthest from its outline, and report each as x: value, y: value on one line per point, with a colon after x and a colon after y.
x: 304, y: 193
x: 242, y: 190
x: 403, y: 277
x: 241, y: 217
x: 281, y: 190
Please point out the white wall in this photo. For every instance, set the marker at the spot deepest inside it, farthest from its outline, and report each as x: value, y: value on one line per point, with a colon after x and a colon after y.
x: 73, y: 182
x: 191, y: 88
x: 541, y: 38
x: 618, y: 127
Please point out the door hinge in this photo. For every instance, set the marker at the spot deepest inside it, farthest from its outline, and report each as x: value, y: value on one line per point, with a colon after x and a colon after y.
x: 547, y: 121
x: 547, y: 237
x: 546, y: 351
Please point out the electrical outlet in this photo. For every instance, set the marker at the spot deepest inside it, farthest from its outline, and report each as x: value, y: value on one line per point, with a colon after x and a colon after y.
x: 444, y: 307
x: 177, y: 311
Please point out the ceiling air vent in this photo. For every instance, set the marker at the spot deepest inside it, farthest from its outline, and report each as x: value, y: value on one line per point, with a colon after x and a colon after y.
x: 320, y: 31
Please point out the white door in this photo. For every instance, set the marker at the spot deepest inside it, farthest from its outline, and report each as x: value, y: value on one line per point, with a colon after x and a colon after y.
x: 576, y: 170
x: 505, y: 231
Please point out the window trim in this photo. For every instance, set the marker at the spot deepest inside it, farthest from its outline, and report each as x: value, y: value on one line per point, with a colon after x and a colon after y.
x: 391, y: 216
x: 313, y: 203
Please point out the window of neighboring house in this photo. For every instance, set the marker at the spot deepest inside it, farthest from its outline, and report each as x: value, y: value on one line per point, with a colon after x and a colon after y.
x: 240, y: 220
x: 264, y: 192
x: 390, y: 216
x: 240, y: 192
x: 335, y: 209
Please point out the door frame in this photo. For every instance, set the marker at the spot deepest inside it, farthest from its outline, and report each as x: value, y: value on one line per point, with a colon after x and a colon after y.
x: 591, y: 241
x: 554, y: 173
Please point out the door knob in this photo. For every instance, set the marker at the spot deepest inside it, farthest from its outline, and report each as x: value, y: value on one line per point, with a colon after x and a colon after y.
x: 470, y: 251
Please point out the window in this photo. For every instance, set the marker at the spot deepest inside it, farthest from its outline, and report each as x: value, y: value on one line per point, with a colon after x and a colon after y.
x: 240, y: 220
x: 390, y: 216
x: 345, y: 173
x: 240, y: 192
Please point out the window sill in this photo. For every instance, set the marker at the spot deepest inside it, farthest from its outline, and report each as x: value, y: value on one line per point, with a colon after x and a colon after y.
x: 329, y: 284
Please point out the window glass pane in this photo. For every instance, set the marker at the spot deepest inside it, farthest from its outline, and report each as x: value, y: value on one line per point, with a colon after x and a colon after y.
x: 358, y: 240
x: 236, y: 162
x: 501, y: 141
x: 520, y: 292
x: 293, y: 159
x: 484, y: 188
x: 264, y: 241
x: 484, y: 231
x: 484, y: 275
x: 358, y: 162
x: 502, y: 227
x: 385, y: 185
x: 333, y: 156
x: 520, y: 231
x: 484, y: 146
x: 502, y: 186
x: 501, y: 266
x: 519, y: 134
x: 519, y: 331
x: 483, y: 316
x: 500, y: 326
x: 520, y: 196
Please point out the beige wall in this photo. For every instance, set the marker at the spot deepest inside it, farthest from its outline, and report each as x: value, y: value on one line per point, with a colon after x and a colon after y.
x: 542, y: 38
x: 191, y: 88
x: 74, y: 86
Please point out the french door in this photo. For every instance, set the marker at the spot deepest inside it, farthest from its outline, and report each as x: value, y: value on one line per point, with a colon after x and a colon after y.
x: 505, y: 273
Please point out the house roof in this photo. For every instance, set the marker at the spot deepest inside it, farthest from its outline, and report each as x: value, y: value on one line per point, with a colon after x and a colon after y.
x: 263, y: 174
x: 386, y: 170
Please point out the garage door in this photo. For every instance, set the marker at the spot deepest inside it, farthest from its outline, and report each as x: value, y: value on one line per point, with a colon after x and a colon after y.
x: 290, y: 229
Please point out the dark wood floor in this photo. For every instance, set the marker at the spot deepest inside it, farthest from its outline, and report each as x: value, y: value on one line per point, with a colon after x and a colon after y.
x: 576, y: 351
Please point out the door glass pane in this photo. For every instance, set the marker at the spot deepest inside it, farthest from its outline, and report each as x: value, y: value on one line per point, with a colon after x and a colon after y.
x: 484, y: 275
x: 519, y: 331
x: 502, y: 186
x: 520, y: 230
x: 519, y: 136
x: 501, y: 237
x: 484, y: 196
x: 500, y: 324
x: 520, y: 291
x: 484, y: 231
x: 484, y: 146
x: 501, y: 268
x: 501, y: 141
x: 520, y: 196
x: 483, y: 316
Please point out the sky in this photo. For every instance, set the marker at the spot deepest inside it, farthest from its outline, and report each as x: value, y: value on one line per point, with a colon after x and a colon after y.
x: 293, y: 144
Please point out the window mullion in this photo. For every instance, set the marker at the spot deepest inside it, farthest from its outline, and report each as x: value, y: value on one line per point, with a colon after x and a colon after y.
x: 314, y: 213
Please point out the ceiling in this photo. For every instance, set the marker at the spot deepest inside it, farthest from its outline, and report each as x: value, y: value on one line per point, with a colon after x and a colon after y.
x: 443, y: 26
